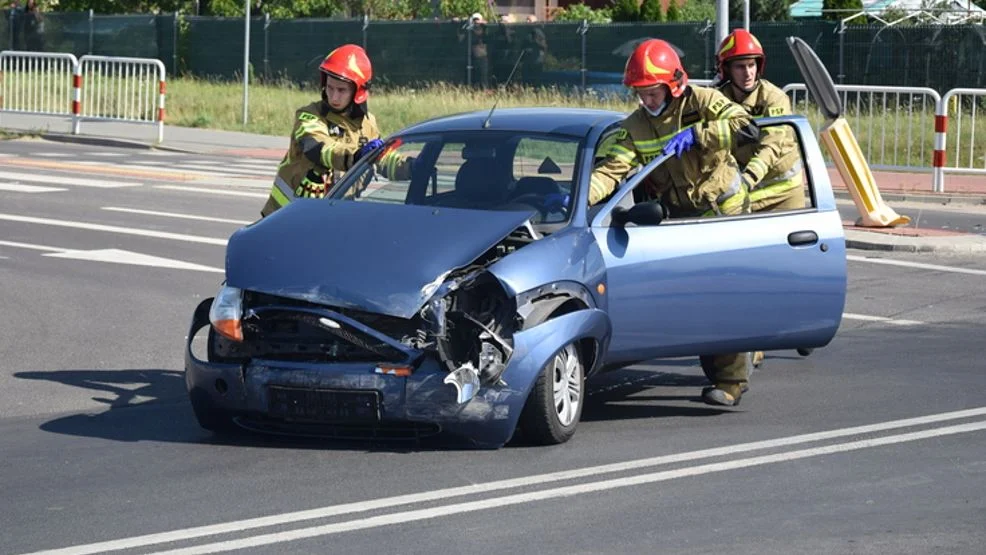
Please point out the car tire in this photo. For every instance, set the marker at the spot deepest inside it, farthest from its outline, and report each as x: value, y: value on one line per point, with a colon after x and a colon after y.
x: 805, y: 351
x: 211, y: 418
x: 554, y: 406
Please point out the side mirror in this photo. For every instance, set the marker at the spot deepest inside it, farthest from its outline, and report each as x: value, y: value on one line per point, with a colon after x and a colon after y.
x: 643, y: 214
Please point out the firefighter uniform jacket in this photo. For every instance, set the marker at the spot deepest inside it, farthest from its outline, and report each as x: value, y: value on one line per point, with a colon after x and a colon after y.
x: 771, y: 167
x: 340, y: 137
x: 705, y: 176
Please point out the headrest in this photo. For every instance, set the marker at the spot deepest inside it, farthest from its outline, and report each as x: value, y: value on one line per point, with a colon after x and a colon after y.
x: 476, y: 181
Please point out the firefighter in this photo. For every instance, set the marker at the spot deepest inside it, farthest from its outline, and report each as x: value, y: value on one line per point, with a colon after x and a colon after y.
x: 331, y: 134
x: 772, y: 167
x: 699, y: 126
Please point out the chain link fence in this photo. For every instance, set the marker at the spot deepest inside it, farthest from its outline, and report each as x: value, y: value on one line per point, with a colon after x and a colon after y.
x: 554, y: 54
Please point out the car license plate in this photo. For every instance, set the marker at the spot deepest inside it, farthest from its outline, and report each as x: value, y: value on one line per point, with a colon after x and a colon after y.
x: 323, y: 405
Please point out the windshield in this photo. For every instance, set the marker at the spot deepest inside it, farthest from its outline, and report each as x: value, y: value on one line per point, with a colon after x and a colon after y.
x: 477, y: 170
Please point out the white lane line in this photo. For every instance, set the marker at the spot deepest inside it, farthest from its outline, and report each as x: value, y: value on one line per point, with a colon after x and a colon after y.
x: 114, y: 256
x: 107, y: 154
x: 16, y: 188
x: 232, y: 169
x: 884, y: 319
x: 107, y: 183
x: 174, y: 215
x: 52, y: 154
x: 114, y: 229
x: 568, y: 491
x: 920, y: 265
x: 31, y: 247
x: 212, y: 191
x: 587, y: 472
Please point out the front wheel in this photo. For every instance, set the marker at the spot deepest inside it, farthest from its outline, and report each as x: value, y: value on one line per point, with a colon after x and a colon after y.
x: 554, y: 406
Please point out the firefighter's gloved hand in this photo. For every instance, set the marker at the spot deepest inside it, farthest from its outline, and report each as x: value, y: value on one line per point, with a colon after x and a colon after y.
x: 681, y: 143
x: 367, y: 148
x: 311, y: 186
x: 556, y: 202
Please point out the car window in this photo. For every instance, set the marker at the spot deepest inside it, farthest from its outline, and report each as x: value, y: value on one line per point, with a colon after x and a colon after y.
x: 785, y: 186
x: 477, y: 170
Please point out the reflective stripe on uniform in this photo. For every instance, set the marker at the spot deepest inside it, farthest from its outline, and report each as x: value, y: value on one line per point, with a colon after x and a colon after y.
x: 795, y: 170
x: 281, y: 192
x: 649, y: 147
x: 776, y: 188
x: 622, y: 153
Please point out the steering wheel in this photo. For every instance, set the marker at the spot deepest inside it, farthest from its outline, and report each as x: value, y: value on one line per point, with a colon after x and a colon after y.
x: 536, y: 200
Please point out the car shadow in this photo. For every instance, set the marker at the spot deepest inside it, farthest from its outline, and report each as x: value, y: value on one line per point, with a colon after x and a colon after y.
x: 152, y: 405
x: 641, y: 392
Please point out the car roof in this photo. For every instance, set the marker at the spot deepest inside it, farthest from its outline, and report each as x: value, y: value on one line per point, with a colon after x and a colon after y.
x: 566, y: 121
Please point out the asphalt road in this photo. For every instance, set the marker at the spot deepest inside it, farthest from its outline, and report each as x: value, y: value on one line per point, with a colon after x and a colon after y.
x: 98, y: 442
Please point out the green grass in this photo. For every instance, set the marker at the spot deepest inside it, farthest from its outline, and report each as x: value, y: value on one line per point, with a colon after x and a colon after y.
x: 193, y: 102
x: 887, y: 138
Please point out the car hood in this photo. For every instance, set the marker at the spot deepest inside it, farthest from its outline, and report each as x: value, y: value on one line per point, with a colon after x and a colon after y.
x: 384, y: 258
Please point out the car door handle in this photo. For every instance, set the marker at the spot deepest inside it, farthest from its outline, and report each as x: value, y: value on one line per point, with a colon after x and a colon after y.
x: 800, y: 238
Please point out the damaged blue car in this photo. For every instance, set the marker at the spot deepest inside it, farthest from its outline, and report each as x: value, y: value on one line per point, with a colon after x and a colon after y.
x: 475, y: 292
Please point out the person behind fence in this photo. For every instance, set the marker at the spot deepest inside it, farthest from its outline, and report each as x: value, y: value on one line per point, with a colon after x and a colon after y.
x: 34, y: 27
x: 772, y: 167
x: 698, y: 126
x: 330, y: 135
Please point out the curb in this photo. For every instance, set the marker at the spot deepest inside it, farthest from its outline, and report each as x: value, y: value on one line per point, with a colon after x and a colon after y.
x: 111, y: 142
x: 965, y: 244
x: 973, y: 199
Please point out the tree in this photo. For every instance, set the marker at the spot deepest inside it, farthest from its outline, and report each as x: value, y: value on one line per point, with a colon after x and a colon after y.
x: 651, y: 10
x: 761, y: 10
x: 841, y: 9
x: 698, y: 10
x: 578, y: 12
x: 674, y: 12
x: 626, y: 10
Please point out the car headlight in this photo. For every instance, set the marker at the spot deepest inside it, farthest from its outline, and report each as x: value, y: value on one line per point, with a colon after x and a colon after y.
x: 226, y: 312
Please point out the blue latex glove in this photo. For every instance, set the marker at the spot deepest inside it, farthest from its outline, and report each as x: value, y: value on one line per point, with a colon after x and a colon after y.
x: 367, y: 148
x: 556, y: 202
x: 681, y: 143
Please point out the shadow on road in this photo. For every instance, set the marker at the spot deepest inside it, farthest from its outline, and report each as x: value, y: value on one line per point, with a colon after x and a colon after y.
x: 152, y: 405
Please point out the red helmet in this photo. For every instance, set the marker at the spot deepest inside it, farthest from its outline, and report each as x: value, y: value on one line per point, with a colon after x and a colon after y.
x: 350, y: 63
x: 739, y: 45
x: 655, y: 62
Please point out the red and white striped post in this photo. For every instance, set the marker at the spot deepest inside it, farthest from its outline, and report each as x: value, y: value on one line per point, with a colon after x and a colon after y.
x: 160, y: 108
x: 938, y: 158
x: 76, y: 98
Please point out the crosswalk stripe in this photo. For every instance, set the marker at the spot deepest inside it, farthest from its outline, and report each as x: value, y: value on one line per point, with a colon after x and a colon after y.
x: 231, y: 169
x: 212, y: 191
x: 108, y: 183
x: 17, y: 188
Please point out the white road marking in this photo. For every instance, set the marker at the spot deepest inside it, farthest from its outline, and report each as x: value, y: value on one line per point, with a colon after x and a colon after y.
x: 30, y: 246
x: 232, y: 169
x: 174, y: 215
x: 52, y: 154
x: 15, y: 188
x: 114, y: 229
x: 884, y: 319
x: 104, y: 183
x: 568, y: 491
x: 920, y: 265
x: 118, y: 256
x: 106, y: 154
x: 586, y: 472
x: 212, y: 191
x: 115, y: 256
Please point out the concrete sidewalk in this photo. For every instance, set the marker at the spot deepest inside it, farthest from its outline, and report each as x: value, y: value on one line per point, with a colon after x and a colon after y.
x: 894, y: 186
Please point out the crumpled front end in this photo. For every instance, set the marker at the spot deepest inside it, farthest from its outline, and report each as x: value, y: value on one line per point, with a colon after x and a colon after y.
x: 463, y: 363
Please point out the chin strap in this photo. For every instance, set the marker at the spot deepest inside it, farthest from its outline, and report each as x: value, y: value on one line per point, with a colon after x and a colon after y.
x: 660, y: 109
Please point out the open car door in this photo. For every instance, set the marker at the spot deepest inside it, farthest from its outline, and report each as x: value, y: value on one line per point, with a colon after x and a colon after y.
x: 761, y: 281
